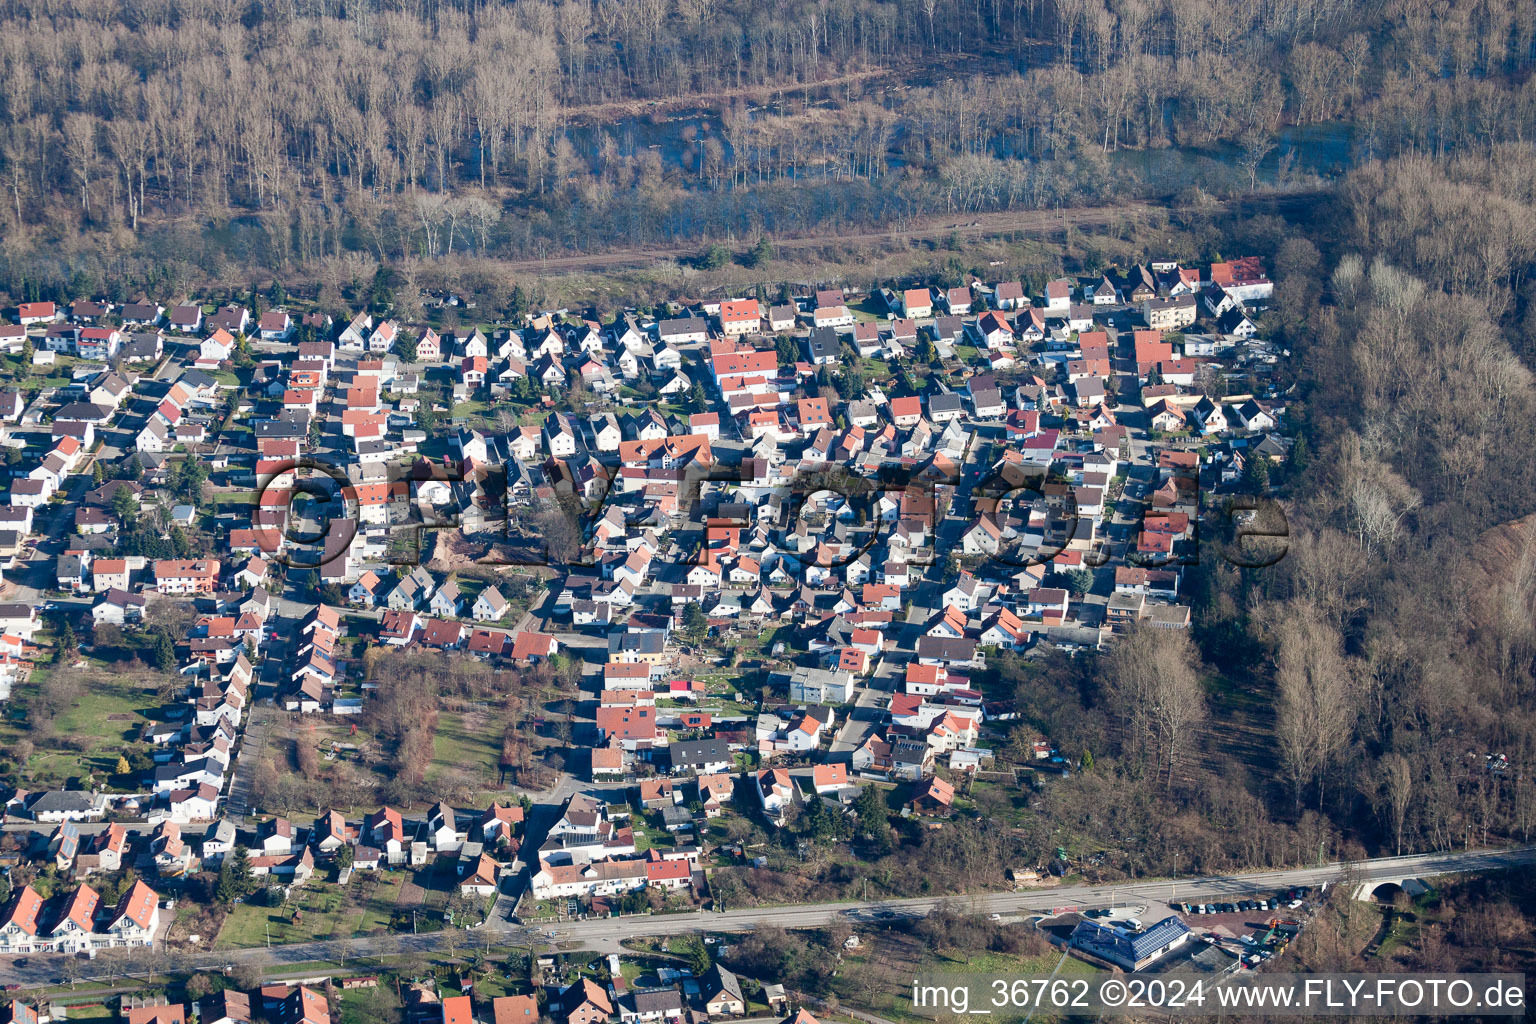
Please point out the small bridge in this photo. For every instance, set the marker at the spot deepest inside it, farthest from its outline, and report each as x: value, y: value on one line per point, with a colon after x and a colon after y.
x: 1386, y: 890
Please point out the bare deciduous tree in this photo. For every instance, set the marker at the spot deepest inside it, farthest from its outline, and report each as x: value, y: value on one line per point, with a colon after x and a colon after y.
x: 1397, y: 792
x: 1156, y: 686
x: 1318, y: 697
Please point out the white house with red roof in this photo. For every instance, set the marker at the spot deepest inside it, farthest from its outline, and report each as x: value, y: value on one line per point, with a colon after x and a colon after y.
x: 29, y: 313
x: 739, y: 316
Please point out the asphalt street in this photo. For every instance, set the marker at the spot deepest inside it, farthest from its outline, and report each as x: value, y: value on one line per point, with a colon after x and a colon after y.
x: 605, y: 935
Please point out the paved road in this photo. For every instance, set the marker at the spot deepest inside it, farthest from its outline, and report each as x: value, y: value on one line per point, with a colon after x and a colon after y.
x: 258, y: 727
x: 605, y: 935
x: 868, y: 709
x: 28, y: 581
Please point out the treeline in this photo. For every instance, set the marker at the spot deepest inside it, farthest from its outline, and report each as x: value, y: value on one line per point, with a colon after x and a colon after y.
x: 1375, y: 691
x: 303, y: 134
x: 1409, y: 595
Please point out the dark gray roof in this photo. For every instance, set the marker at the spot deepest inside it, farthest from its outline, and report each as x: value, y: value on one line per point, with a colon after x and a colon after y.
x: 987, y: 398
x: 696, y: 752
x: 1130, y: 947
x: 945, y: 648
x: 1231, y: 319
x: 681, y: 328
x: 947, y: 328
x: 87, y: 412
x: 822, y: 343
x: 63, y: 800
x: 281, y: 428
x: 721, y: 980
x: 642, y: 643
x: 657, y: 1000
x: 140, y: 311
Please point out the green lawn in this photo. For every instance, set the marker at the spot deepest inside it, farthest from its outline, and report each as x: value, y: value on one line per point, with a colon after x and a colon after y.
x: 716, y: 706
x: 366, y: 1005
x: 103, y: 718
x: 642, y: 835
x: 250, y: 925
x: 329, y: 912
x: 465, y: 747
x: 383, y: 889
x: 473, y: 409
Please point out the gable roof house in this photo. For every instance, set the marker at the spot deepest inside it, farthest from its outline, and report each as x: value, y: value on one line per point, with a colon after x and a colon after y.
x: 917, y: 303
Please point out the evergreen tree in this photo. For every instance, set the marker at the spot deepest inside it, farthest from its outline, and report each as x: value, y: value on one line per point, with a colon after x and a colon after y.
x: 698, y: 955
x: 1079, y: 581
x: 1256, y: 475
x: 163, y: 654
x: 874, y: 821
x: 518, y: 302
x: 235, y: 879
x: 68, y: 643
x: 761, y: 253
x: 695, y: 623
x: 788, y: 350
x: 380, y: 295
x: 125, y: 506
x: 871, y: 809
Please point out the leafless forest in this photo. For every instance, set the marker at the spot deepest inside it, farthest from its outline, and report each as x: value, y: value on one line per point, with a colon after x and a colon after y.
x: 168, y: 140
x: 1376, y: 690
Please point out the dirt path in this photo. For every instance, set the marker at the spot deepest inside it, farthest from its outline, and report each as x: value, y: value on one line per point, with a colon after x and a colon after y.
x: 978, y: 224
x: 1035, y: 221
x: 930, y: 70
x: 600, y: 113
